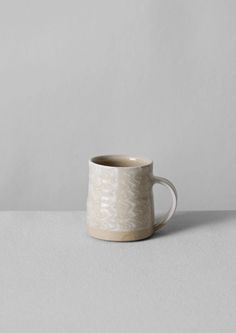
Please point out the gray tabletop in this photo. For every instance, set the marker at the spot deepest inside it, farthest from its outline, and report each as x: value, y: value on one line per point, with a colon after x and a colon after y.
x: 55, y: 278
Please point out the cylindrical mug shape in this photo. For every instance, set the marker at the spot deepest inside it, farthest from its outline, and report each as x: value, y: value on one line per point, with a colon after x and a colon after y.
x: 120, y: 199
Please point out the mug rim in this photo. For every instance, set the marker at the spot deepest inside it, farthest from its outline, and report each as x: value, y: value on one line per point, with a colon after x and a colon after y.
x: 142, y: 161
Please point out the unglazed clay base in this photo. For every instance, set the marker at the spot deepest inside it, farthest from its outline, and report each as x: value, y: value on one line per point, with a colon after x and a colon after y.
x: 120, y: 236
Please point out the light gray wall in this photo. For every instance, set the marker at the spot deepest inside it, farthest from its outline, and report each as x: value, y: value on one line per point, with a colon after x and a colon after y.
x: 81, y: 78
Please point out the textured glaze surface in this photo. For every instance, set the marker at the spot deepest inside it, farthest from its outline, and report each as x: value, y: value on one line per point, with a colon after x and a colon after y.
x: 120, y: 199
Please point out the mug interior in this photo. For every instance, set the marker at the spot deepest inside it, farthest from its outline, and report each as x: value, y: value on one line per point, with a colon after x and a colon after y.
x: 120, y: 161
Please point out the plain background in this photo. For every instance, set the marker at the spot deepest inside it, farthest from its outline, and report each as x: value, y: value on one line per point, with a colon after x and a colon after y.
x: 56, y: 279
x: 82, y: 78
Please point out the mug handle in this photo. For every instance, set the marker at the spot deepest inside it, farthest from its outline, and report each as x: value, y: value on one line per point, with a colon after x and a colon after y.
x: 165, y: 182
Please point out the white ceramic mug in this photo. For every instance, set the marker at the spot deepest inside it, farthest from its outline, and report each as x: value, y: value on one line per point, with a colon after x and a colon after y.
x: 120, y: 198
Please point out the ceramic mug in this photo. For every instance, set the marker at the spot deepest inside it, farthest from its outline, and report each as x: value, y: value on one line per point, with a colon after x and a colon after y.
x: 120, y: 198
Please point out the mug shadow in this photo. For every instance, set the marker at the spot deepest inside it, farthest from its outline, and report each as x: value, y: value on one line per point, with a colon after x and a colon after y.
x: 183, y: 221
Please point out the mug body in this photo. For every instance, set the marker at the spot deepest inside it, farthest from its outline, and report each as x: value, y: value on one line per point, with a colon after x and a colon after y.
x: 120, y: 199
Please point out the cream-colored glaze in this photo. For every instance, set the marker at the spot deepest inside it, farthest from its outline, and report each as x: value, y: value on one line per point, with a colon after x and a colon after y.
x: 120, y: 198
